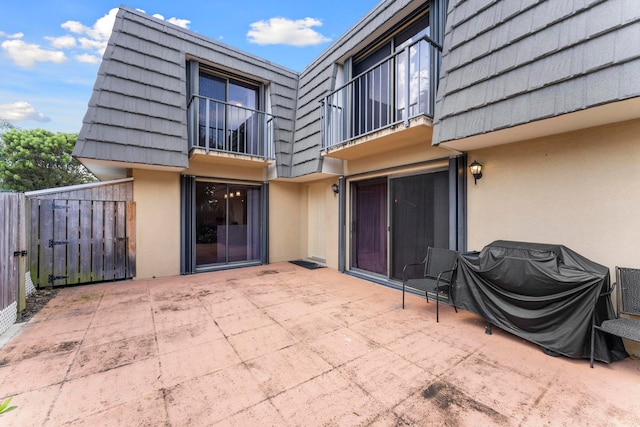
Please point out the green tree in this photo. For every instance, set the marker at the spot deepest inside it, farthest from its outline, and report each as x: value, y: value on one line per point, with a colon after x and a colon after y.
x: 36, y: 159
x: 5, y: 125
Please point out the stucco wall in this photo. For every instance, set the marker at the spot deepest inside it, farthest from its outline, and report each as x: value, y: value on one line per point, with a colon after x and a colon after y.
x: 157, y: 197
x: 397, y: 158
x: 284, y: 221
x: 322, y: 223
x: 578, y: 189
x: 214, y: 168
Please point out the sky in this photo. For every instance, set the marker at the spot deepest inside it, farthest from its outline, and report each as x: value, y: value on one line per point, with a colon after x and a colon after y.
x: 50, y: 50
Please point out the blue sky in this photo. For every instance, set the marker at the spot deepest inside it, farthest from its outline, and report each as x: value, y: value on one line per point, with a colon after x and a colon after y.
x: 50, y: 49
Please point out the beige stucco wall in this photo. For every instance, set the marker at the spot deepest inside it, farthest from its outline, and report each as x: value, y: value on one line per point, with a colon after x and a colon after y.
x: 212, y: 167
x: 157, y: 197
x: 397, y: 158
x: 323, y: 223
x: 291, y: 205
x: 284, y: 221
x: 579, y: 189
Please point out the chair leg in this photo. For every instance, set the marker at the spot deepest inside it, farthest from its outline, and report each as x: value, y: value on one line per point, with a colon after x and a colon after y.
x: 403, y: 294
x: 437, y: 309
x: 593, y: 336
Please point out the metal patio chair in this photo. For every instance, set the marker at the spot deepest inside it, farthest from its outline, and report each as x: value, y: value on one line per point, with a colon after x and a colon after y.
x: 627, y: 303
x: 437, y: 278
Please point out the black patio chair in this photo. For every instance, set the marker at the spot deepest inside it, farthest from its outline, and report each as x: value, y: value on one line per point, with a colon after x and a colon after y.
x: 437, y: 277
x: 627, y: 303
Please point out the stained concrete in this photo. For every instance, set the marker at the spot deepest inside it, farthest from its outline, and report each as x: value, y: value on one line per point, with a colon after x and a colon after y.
x: 279, y: 345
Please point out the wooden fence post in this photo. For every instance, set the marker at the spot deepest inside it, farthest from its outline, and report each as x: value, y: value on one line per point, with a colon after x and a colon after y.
x: 13, y: 253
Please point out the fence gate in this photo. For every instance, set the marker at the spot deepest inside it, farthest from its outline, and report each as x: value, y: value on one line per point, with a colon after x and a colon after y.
x: 81, y: 241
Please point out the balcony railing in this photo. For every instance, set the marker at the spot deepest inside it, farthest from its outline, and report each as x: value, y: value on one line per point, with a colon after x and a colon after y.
x: 223, y: 127
x: 395, y: 90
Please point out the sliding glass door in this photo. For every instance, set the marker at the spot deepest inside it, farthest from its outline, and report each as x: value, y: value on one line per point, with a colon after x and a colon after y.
x: 419, y: 218
x: 227, y: 223
x: 395, y: 219
x: 369, y: 231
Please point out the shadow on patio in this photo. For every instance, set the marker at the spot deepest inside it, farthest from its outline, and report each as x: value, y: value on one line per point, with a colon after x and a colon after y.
x: 282, y: 345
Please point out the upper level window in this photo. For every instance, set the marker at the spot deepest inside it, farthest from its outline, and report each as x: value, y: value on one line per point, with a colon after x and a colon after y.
x: 392, y: 88
x: 394, y: 42
x: 225, y: 114
x: 391, y: 81
x: 232, y: 91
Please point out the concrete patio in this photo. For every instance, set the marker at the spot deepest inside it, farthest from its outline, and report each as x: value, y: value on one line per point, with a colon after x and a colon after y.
x: 281, y: 345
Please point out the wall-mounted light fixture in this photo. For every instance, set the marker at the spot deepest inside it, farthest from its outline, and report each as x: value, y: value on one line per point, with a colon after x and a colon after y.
x: 476, y: 170
x: 335, y: 188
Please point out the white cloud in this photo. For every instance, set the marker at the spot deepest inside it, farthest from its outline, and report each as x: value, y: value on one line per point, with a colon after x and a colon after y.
x: 11, y: 36
x: 26, y: 54
x: 89, y: 44
x: 21, y: 111
x: 62, y: 42
x: 184, y: 23
x: 101, y: 29
x: 286, y: 31
x: 92, y: 39
x: 97, y: 35
x: 87, y: 58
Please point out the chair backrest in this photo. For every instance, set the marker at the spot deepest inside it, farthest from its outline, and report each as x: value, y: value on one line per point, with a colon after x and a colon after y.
x: 439, y: 260
x: 628, y: 290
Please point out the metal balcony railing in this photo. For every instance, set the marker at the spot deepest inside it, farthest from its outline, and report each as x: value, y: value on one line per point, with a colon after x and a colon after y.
x: 220, y: 126
x: 395, y: 90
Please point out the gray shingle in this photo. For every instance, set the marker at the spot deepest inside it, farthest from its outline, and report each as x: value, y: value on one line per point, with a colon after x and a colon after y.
x: 607, y: 15
x: 603, y: 86
x: 557, y: 57
x: 498, y: 117
x: 629, y: 79
x: 572, y: 96
x: 137, y: 112
x: 626, y: 43
x: 548, y: 70
x: 519, y: 109
x: 599, y: 52
x: 573, y: 30
x: 542, y: 103
x: 508, y: 9
x: 545, y: 42
x: 520, y: 25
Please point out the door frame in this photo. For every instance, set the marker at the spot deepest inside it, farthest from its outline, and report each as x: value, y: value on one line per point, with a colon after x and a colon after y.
x: 188, y: 224
x: 457, y: 169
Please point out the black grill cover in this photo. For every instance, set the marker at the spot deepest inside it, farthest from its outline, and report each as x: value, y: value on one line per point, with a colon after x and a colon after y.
x: 543, y: 293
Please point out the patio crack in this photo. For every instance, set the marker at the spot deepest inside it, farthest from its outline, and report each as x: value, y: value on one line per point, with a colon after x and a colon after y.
x: 73, y: 360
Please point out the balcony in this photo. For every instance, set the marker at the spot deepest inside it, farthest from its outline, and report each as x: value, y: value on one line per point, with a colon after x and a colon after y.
x: 399, y: 90
x: 229, y: 131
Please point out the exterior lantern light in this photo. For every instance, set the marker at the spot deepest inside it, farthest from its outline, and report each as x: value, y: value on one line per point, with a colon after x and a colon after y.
x: 476, y: 170
x: 335, y: 188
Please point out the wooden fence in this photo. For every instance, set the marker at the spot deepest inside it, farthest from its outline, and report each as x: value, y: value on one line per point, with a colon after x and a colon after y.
x: 82, y: 234
x: 81, y: 241
x: 13, y: 245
